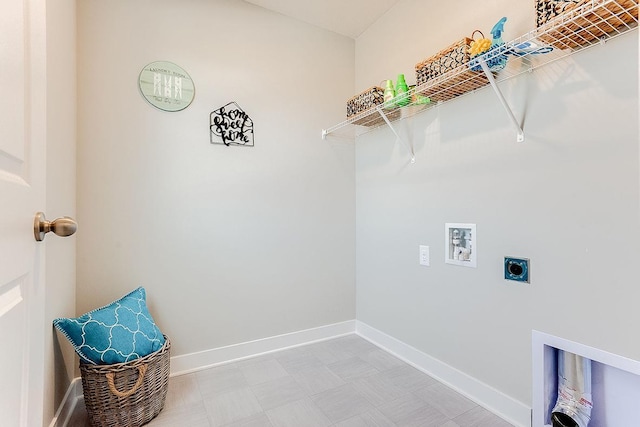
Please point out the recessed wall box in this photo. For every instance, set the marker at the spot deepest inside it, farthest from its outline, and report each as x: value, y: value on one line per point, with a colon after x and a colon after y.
x: 516, y: 269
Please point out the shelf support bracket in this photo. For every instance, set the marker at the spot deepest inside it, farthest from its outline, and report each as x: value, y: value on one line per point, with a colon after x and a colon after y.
x: 494, y: 85
x: 398, y: 138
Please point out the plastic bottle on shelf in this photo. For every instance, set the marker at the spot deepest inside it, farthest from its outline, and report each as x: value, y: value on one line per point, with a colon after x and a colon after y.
x: 402, y: 98
x: 389, y: 93
x: 498, y: 60
x: 418, y: 98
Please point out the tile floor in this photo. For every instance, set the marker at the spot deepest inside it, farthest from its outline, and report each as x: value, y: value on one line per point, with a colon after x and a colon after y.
x: 344, y: 382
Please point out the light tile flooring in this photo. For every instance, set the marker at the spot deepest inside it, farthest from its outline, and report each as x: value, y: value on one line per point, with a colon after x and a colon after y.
x: 344, y: 382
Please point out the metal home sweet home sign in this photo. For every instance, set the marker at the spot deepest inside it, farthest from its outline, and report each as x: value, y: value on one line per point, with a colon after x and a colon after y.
x: 230, y: 125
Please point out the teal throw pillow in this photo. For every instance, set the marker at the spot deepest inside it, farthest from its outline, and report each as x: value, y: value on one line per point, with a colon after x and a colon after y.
x: 119, y: 332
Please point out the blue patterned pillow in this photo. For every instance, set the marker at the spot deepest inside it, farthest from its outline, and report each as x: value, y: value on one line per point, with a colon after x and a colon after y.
x: 119, y: 332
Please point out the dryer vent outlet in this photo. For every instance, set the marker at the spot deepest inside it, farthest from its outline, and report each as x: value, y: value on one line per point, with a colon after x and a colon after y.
x: 517, y: 269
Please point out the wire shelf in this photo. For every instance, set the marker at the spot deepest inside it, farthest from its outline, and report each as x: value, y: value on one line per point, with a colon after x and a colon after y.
x: 591, y: 24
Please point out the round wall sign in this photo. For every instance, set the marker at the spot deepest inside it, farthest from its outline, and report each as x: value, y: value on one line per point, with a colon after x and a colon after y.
x: 166, y: 86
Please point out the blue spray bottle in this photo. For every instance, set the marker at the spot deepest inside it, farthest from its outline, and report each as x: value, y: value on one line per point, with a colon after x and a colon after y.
x: 497, y: 59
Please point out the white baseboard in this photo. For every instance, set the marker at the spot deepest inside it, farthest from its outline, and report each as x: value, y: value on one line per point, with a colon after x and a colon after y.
x: 68, y: 404
x: 495, y: 401
x: 187, y: 363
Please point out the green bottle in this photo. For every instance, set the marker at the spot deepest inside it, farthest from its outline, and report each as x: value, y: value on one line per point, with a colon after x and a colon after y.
x: 389, y: 93
x: 402, y: 98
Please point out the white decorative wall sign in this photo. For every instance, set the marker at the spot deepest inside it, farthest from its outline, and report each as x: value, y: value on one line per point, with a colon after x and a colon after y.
x: 166, y: 86
x: 230, y: 125
x: 460, y: 244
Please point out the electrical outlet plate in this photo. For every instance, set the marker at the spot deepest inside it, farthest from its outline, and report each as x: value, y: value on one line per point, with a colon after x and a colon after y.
x: 517, y: 269
x: 424, y: 255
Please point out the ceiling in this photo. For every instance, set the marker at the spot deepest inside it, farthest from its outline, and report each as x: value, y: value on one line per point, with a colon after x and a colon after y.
x: 347, y: 17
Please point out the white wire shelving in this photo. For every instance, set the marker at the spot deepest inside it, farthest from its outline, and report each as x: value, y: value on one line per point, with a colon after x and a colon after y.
x: 591, y: 24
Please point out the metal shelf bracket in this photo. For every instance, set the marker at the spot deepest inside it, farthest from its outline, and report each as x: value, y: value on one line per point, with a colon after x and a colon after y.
x: 496, y: 89
x: 398, y: 138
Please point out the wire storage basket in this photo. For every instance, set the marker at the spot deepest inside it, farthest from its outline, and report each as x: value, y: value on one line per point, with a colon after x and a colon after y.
x: 126, y: 394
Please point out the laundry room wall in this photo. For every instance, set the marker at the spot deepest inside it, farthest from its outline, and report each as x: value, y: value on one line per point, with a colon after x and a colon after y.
x: 567, y: 199
x: 233, y: 244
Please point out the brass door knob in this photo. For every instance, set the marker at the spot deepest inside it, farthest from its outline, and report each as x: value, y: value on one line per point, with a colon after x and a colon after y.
x: 62, y: 227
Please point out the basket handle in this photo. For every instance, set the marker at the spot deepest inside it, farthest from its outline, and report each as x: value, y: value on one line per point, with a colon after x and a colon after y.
x: 142, y: 369
x: 474, y: 34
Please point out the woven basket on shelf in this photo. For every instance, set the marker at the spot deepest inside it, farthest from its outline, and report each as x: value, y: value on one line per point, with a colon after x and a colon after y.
x: 605, y: 17
x: 126, y: 394
x: 363, y: 103
x: 365, y: 100
x: 462, y: 80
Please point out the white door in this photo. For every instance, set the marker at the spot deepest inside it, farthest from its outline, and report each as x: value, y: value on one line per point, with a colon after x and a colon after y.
x: 22, y: 194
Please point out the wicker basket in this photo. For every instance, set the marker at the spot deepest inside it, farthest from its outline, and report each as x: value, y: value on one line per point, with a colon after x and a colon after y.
x: 363, y: 103
x: 453, y: 61
x: 585, y: 28
x: 365, y: 100
x: 126, y: 394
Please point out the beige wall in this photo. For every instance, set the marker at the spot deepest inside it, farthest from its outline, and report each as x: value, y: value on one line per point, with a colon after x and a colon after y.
x: 61, y: 198
x: 567, y: 198
x: 232, y: 243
